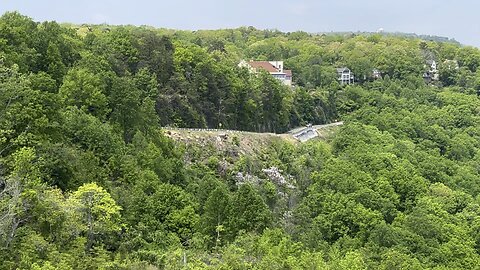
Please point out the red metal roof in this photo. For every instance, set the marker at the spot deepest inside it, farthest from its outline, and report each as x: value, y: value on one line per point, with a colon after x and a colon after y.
x: 265, y: 65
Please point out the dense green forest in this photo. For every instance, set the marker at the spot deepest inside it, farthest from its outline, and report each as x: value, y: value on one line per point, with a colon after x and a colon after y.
x: 89, y: 180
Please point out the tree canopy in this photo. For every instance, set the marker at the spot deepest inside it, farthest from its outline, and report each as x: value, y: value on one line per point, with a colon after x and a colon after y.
x: 89, y: 179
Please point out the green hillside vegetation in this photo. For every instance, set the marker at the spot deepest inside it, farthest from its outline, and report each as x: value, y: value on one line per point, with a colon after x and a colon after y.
x: 90, y: 180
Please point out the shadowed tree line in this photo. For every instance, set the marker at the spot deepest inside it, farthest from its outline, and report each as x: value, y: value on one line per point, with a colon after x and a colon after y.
x: 88, y: 180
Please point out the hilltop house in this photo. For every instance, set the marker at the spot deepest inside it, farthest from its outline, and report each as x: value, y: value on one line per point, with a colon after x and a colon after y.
x: 432, y: 72
x: 376, y: 74
x: 432, y: 64
x: 345, y: 76
x: 275, y: 68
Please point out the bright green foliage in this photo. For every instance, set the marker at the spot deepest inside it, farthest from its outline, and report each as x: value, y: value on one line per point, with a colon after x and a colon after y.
x: 89, y: 180
x: 216, y: 214
x: 16, y: 40
x: 26, y: 114
x: 85, y: 90
x: 100, y: 215
x: 248, y: 211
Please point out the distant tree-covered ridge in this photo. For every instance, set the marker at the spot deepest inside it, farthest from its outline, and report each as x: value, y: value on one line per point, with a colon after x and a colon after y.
x: 89, y: 180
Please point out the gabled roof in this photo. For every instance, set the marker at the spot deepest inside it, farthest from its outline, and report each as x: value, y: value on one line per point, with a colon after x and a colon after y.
x: 265, y: 65
x: 341, y: 70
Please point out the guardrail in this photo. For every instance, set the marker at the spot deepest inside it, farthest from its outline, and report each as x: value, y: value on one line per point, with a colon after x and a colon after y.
x: 217, y: 130
x: 296, y: 133
x: 328, y: 125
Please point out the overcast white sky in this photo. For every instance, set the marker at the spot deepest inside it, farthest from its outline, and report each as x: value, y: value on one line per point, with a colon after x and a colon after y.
x: 457, y: 19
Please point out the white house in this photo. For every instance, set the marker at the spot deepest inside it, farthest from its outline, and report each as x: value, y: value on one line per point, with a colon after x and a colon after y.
x: 376, y: 74
x: 432, y: 72
x: 275, y: 68
x: 345, y: 76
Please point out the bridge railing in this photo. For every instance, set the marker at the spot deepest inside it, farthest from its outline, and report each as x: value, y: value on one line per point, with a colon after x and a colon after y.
x: 295, y: 132
x: 217, y: 130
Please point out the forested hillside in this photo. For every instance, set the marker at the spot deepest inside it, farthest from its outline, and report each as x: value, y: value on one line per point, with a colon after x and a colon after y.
x: 89, y: 180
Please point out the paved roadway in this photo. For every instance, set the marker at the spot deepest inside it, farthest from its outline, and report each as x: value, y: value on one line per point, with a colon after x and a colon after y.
x: 302, y: 134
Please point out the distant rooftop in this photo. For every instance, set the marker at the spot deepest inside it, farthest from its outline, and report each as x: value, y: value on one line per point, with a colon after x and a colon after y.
x: 263, y: 65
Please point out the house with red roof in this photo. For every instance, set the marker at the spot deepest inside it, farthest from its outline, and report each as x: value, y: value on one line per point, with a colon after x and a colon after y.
x: 275, y: 68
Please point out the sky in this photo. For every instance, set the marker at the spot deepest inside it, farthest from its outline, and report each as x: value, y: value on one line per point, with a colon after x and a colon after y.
x: 458, y: 19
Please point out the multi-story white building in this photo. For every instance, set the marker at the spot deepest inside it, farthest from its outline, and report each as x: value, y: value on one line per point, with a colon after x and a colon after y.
x: 275, y: 68
x: 345, y: 76
x: 432, y: 72
x: 376, y: 74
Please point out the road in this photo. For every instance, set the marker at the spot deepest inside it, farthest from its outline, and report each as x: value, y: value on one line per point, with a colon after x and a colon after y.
x: 302, y: 134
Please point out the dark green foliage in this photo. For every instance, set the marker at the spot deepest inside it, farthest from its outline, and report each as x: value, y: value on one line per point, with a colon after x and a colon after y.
x: 248, y: 211
x: 89, y: 180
